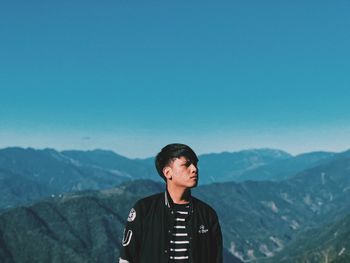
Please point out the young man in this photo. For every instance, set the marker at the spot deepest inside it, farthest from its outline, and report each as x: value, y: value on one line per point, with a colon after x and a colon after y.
x: 173, y: 226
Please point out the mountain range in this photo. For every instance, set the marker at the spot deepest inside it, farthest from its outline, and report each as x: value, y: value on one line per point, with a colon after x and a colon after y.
x: 297, y: 215
x: 27, y: 175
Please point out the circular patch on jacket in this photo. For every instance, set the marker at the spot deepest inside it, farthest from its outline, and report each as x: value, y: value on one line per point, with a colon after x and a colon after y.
x: 132, y: 215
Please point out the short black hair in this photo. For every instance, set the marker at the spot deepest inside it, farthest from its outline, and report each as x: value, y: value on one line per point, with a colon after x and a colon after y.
x: 170, y: 153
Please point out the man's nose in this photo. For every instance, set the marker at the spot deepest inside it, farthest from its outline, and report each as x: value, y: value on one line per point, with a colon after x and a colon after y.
x: 194, y: 168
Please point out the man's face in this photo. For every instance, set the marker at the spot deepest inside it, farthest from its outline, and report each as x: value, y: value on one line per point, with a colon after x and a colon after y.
x: 184, y: 173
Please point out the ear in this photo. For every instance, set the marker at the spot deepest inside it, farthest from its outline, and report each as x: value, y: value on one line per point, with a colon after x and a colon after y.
x: 167, y: 171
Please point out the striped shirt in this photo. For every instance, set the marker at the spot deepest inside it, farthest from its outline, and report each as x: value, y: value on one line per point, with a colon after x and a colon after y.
x: 180, y: 242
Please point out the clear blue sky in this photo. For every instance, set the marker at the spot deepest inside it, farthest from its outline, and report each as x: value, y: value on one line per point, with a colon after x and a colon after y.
x: 132, y: 76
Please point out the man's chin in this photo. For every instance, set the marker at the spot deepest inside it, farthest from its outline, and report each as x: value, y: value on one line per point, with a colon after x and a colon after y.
x: 194, y: 184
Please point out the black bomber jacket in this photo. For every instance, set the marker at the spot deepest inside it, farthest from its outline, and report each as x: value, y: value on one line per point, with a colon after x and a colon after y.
x: 149, y: 228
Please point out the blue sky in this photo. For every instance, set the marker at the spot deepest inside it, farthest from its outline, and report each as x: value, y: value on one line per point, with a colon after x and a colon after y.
x: 132, y: 76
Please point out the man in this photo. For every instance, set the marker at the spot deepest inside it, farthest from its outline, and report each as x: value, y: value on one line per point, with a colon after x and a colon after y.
x: 173, y: 226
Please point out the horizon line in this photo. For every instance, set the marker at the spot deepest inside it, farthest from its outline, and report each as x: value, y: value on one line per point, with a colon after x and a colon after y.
x: 199, y: 154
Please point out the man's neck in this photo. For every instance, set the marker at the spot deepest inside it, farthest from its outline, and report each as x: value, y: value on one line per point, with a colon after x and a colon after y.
x: 179, y: 195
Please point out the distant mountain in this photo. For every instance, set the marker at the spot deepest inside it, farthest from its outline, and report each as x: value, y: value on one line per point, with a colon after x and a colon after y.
x: 255, y: 164
x: 231, y: 166
x: 28, y: 174
x: 109, y: 160
x: 286, y: 168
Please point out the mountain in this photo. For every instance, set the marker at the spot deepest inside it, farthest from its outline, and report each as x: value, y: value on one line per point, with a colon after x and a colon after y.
x: 328, y: 243
x: 16, y: 190
x: 260, y: 165
x: 28, y: 175
x: 259, y: 220
x: 286, y: 168
x: 73, y: 227
x: 109, y: 160
x: 231, y: 166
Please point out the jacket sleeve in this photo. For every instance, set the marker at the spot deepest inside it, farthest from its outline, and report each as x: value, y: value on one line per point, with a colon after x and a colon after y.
x: 216, y: 241
x: 130, y: 245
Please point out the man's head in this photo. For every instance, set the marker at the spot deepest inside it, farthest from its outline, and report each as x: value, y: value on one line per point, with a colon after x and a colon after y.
x: 177, y: 158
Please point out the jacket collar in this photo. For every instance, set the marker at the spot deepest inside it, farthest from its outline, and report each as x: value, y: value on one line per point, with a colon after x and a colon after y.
x: 168, y: 202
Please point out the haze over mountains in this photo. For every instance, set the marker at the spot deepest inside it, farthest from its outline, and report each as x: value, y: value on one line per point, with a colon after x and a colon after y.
x: 273, y: 207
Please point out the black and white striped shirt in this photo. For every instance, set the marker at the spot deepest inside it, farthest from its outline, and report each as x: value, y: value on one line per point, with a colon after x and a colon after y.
x: 180, y: 241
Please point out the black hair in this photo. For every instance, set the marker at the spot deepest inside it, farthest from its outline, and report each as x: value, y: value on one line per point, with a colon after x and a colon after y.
x: 170, y: 153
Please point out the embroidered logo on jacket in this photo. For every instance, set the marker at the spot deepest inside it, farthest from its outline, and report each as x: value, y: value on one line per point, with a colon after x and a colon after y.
x: 202, y: 229
x: 132, y: 215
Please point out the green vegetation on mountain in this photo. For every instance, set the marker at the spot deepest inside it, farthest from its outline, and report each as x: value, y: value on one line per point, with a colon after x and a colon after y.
x: 72, y: 227
x: 326, y: 243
